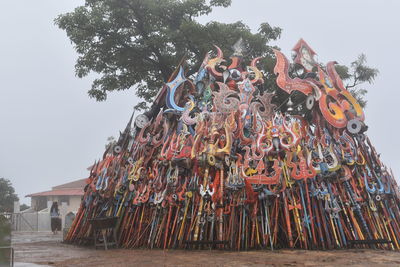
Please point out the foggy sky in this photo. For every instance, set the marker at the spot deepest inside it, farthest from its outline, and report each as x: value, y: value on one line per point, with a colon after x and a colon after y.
x: 51, y: 131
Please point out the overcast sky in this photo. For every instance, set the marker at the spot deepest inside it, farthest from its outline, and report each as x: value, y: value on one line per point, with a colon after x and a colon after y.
x: 51, y: 131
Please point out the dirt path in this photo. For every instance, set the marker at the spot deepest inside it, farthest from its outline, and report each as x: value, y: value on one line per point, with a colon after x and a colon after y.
x: 44, y: 248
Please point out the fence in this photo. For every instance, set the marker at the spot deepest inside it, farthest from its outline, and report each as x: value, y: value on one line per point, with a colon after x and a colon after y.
x: 30, y: 221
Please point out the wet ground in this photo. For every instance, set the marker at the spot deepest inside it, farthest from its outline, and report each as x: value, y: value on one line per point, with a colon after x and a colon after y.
x: 44, y: 248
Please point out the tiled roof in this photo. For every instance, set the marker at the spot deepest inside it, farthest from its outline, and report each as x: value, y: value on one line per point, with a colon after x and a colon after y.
x: 59, y: 192
x: 74, y: 188
x: 72, y: 185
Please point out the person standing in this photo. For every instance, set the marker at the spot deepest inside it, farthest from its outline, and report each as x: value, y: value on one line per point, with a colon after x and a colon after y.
x: 54, y: 215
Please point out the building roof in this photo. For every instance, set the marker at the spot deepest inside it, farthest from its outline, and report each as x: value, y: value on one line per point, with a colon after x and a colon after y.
x: 74, y: 184
x: 74, y: 188
x: 58, y: 192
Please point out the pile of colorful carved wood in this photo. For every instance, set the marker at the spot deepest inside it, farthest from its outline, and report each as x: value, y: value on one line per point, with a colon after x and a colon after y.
x: 217, y: 158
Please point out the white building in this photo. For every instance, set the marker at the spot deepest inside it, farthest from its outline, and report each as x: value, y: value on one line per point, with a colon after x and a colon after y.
x: 69, y: 193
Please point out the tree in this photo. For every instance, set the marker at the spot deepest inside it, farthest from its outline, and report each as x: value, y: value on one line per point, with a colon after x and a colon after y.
x: 138, y: 43
x: 24, y: 207
x: 355, y: 76
x: 7, y: 196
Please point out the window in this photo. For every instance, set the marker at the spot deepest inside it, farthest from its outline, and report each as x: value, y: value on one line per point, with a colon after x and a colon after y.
x: 62, y: 199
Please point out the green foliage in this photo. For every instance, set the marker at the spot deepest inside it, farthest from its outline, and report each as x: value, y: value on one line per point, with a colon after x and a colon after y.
x: 138, y: 43
x: 357, y: 75
x: 7, y: 196
x: 5, y: 240
x: 24, y: 207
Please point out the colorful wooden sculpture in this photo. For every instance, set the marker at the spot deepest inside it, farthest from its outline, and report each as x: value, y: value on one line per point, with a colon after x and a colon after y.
x: 224, y: 162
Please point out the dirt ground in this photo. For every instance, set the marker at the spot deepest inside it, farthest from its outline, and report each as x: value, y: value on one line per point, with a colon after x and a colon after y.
x: 44, y: 248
